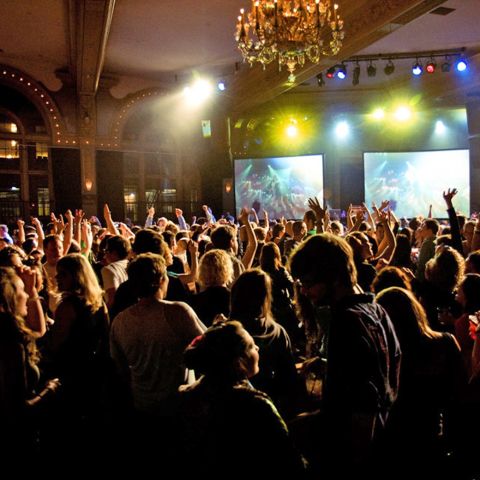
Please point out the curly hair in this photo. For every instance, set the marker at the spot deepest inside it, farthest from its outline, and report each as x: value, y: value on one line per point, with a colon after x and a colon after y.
x: 215, y: 269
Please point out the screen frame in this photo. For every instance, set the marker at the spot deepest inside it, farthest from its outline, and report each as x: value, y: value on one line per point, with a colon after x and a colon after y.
x: 427, y: 151
x: 271, y: 157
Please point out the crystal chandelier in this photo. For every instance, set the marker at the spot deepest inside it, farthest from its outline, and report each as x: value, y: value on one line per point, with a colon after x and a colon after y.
x: 289, y: 30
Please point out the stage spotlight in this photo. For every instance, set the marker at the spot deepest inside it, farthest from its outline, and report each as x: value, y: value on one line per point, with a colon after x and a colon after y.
x: 291, y: 131
x: 440, y: 127
x: 402, y: 114
x: 198, y: 92
x: 221, y: 85
x: 371, y: 70
x: 417, y: 68
x: 378, y: 114
x: 461, y: 65
x: 431, y: 66
x: 389, y: 68
x: 446, y: 65
x: 342, y: 129
x: 342, y: 72
x: 320, y: 80
x: 356, y: 75
x: 330, y: 72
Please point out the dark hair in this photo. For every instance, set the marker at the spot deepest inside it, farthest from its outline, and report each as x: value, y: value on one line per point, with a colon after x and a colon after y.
x: 277, y: 229
x: 471, y: 290
x: 309, y: 216
x: 146, y: 273
x: 119, y: 245
x: 148, y: 241
x: 168, y: 237
x: 251, y: 297
x: 402, y: 253
x: 432, y: 225
x: 222, y: 237
x: 29, y: 244
x: 7, y: 253
x: 270, y: 258
x: 49, y: 239
x: 473, y: 259
x: 390, y: 277
x: 324, y: 258
x: 215, y: 353
x: 408, y: 316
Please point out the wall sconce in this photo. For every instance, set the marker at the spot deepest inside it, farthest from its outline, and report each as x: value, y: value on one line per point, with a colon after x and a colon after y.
x: 88, y: 184
x: 228, y: 186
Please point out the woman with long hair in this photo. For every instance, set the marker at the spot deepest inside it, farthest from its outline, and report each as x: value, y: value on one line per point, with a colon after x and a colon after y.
x: 283, y: 309
x: 19, y: 372
x: 432, y: 378
x: 78, y: 350
x: 215, y: 273
x: 250, y: 304
x: 224, y: 419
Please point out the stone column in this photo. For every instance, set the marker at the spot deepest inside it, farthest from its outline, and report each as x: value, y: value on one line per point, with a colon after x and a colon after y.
x: 87, y: 130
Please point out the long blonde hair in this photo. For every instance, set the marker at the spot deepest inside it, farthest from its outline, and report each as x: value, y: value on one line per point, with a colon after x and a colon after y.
x: 85, y: 283
x: 8, y: 304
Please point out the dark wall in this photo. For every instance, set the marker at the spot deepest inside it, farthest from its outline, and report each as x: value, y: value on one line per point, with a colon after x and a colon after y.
x: 66, y: 179
x: 110, y: 182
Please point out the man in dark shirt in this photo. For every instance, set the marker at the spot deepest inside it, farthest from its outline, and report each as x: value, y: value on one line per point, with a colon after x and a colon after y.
x: 363, y: 354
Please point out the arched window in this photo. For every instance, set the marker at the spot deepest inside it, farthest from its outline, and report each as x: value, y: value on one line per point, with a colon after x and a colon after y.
x: 25, y: 164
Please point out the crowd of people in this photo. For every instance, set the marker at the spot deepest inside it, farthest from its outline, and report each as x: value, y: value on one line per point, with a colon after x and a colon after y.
x: 304, y: 347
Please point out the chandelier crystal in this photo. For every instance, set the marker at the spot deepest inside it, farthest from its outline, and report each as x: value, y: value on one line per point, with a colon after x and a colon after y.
x: 290, y: 31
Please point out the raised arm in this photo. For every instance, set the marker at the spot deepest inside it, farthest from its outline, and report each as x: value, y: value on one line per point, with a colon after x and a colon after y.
x: 77, y: 235
x: 40, y: 233
x: 35, y: 317
x: 453, y: 219
x: 125, y: 232
x: 370, y: 219
x: 349, y: 218
x: 86, y: 238
x: 255, y: 216
x: 150, y: 216
x: 180, y: 219
x: 191, y: 277
x: 108, y: 218
x: 249, y: 254
x: 388, y: 243
x: 267, y: 221
x: 68, y: 232
x: 21, y: 232
x: 208, y: 214
x: 320, y: 212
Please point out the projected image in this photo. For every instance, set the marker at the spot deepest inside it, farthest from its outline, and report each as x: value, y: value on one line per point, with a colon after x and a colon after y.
x: 413, y: 181
x: 280, y: 185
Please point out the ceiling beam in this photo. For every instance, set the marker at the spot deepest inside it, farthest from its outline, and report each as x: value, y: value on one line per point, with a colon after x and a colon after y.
x: 93, y: 19
x: 366, y: 21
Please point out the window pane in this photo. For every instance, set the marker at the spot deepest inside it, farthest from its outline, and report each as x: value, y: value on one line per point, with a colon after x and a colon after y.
x: 43, y: 201
x: 8, y: 127
x: 130, y: 197
x: 9, y: 154
x: 38, y: 156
